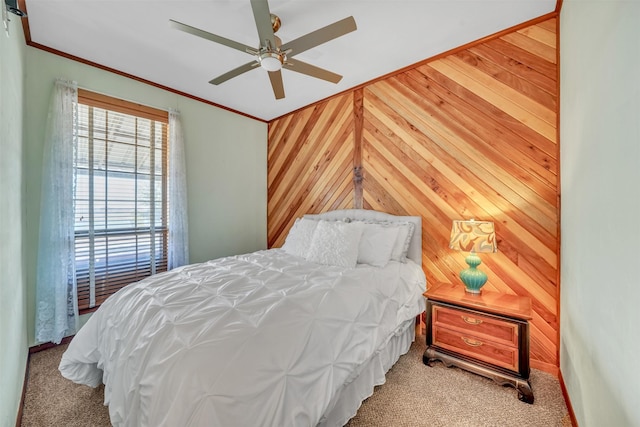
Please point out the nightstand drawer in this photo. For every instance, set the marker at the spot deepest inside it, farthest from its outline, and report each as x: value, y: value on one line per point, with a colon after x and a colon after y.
x: 497, y: 330
x: 476, y: 347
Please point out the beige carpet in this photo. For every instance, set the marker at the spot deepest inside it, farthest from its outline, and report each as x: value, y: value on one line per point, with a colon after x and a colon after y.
x: 414, y: 395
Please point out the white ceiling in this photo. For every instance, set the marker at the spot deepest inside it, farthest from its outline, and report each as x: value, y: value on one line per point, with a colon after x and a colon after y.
x: 134, y: 37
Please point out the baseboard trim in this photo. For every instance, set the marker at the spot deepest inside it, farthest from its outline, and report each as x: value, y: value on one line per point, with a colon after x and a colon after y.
x: 546, y: 367
x: 572, y: 415
x: 48, y: 345
x: 24, y: 393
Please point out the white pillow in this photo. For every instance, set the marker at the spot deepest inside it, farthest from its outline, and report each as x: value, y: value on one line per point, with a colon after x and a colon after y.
x: 401, y: 245
x: 335, y: 243
x: 299, y: 237
x: 376, y: 244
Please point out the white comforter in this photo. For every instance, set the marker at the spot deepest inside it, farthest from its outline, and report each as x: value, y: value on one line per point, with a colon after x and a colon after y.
x: 262, y: 339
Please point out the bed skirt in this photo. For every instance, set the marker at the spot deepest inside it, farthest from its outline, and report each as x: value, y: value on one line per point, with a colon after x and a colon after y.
x: 345, y: 403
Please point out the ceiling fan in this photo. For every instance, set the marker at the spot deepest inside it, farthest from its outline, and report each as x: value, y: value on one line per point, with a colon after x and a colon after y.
x: 271, y: 54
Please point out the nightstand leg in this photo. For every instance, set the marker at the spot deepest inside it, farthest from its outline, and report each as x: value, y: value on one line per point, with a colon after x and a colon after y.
x: 429, y: 356
x: 525, y: 393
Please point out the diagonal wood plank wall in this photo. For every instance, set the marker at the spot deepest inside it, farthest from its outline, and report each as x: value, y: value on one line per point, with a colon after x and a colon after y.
x: 469, y: 135
x: 309, y: 164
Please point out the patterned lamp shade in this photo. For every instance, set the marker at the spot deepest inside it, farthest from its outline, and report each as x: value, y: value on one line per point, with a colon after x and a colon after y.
x: 473, y: 236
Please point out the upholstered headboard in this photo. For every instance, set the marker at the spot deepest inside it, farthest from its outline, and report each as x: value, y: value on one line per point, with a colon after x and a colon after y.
x: 415, y: 247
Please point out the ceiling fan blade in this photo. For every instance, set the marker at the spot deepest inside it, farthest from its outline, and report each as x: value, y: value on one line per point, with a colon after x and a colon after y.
x: 235, y: 72
x: 276, y: 83
x: 320, y: 36
x: 311, y: 70
x: 209, y: 36
x: 262, y: 17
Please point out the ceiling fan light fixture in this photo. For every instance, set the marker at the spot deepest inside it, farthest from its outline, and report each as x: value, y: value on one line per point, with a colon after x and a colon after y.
x: 271, y: 61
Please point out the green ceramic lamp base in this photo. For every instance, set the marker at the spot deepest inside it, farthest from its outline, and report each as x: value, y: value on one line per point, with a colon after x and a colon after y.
x: 473, y: 278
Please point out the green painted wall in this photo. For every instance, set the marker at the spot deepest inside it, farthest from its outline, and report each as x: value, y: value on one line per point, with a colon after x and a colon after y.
x: 13, y: 309
x: 600, y: 175
x: 226, y: 159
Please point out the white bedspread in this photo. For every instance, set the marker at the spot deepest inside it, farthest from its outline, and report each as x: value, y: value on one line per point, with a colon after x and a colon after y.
x: 262, y: 339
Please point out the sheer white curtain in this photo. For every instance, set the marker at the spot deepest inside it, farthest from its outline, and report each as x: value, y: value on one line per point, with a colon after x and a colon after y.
x: 178, y: 232
x: 56, y: 303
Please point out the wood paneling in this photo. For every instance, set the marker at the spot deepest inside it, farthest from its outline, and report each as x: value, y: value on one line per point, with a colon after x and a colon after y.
x: 310, y: 164
x: 469, y: 135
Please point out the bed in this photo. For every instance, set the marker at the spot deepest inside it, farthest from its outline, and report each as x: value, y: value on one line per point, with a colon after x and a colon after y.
x: 292, y: 336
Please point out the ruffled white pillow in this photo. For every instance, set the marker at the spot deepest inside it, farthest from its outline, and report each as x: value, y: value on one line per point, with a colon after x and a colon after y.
x: 335, y: 243
x: 376, y: 244
x: 299, y: 237
x: 401, y: 245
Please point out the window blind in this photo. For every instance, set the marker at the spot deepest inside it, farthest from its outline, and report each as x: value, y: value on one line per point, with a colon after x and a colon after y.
x: 121, y: 196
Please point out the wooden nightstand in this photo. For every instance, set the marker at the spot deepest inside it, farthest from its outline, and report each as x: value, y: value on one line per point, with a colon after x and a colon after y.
x: 487, y: 334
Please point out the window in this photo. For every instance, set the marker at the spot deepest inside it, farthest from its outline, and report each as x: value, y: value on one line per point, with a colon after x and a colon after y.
x: 121, y: 206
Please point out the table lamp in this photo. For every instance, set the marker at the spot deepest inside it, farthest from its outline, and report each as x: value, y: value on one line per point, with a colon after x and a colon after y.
x: 473, y: 237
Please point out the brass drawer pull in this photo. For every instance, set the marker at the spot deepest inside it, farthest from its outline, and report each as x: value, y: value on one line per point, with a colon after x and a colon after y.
x: 471, y: 320
x: 472, y: 343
